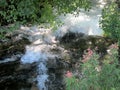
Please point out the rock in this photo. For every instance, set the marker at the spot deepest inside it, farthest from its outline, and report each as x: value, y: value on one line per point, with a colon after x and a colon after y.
x: 57, y: 63
x: 12, y: 77
x: 79, y: 40
x: 76, y: 43
x: 13, y: 44
x: 56, y: 70
x: 34, y: 87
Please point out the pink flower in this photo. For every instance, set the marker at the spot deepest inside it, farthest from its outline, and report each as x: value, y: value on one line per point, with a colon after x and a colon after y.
x: 90, y: 52
x: 88, y: 55
x: 69, y: 74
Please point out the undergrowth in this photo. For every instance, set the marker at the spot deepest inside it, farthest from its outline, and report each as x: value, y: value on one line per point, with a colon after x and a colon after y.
x: 96, y: 76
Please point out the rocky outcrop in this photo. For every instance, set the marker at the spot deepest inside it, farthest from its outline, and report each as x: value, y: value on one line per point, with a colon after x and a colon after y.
x: 11, y: 50
x: 62, y: 56
x: 76, y: 43
x: 14, y: 76
x: 82, y: 41
x: 12, y: 44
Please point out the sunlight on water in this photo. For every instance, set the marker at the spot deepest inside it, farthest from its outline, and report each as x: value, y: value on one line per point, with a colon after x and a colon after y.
x: 86, y: 22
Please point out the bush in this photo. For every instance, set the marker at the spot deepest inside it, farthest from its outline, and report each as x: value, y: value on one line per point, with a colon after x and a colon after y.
x: 96, y: 76
x: 110, y: 22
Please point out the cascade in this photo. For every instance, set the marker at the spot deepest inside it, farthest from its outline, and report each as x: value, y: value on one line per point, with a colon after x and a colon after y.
x: 85, y: 22
x: 32, y: 56
x: 39, y: 52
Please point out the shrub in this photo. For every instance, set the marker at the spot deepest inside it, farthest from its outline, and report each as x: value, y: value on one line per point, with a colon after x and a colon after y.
x: 96, y: 76
x: 110, y: 22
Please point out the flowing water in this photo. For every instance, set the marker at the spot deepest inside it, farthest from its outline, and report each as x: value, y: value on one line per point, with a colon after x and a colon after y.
x: 39, y: 52
x: 86, y: 22
x: 32, y: 56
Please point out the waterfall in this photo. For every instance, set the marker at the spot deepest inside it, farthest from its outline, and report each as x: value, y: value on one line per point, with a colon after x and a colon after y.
x: 42, y: 40
x: 37, y: 53
x: 32, y: 56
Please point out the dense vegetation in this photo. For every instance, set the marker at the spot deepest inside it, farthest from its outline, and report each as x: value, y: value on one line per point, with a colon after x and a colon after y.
x: 111, y: 19
x: 37, y: 11
x: 95, y: 76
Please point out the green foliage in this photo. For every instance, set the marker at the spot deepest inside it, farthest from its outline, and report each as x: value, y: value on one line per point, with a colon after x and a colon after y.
x: 72, y: 83
x: 37, y: 11
x: 12, y: 11
x: 96, y: 76
x: 111, y: 20
x: 90, y: 79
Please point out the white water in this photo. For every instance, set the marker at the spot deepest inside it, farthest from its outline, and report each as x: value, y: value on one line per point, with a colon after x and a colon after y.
x: 34, y: 54
x: 86, y: 22
x: 11, y: 59
x: 38, y: 52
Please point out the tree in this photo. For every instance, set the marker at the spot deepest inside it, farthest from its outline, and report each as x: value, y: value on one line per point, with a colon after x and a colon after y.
x: 111, y: 20
x: 37, y: 11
